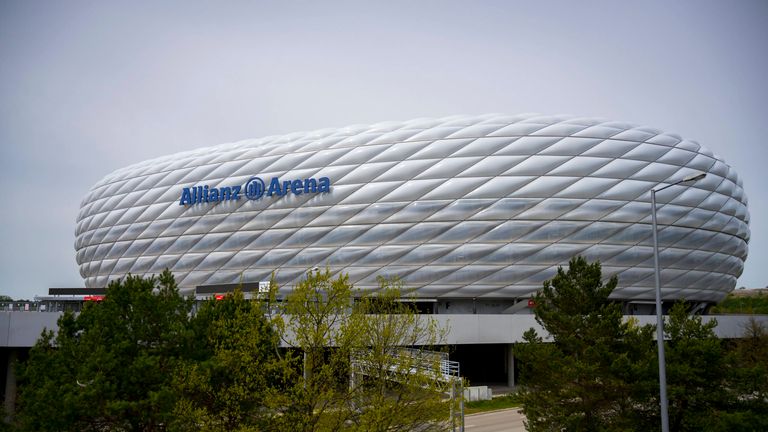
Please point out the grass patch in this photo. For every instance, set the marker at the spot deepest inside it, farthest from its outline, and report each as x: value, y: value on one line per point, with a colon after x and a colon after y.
x: 502, y: 402
x: 741, y: 303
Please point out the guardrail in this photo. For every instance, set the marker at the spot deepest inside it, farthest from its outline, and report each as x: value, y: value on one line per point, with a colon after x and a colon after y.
x: 22, y: 306
x: 434, y: 365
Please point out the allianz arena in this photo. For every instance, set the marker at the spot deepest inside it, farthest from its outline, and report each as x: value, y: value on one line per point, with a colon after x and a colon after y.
x: 465, y: 207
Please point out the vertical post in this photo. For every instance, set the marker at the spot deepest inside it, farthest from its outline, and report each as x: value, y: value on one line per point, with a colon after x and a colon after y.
x: 461, y: 403
x: 10, y: 386
x: 453, y: 402
x: 511, y: 366
x: 659, y: 323
x: 352, y: 370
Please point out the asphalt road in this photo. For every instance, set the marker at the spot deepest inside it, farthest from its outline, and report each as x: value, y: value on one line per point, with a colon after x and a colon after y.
x: 509, y: 420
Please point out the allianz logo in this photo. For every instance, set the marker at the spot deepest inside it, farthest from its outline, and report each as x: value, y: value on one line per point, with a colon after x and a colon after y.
x: 255, y: 188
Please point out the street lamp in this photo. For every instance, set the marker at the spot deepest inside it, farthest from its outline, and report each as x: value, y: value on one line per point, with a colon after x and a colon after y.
x: 659, y: 318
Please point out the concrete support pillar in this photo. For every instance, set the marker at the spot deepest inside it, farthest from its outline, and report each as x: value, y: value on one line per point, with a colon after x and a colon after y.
x: 10, y: 386
x: 511, y: 365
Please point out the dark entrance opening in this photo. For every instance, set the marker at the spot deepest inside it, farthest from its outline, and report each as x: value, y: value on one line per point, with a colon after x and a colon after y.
x: 482, y: 364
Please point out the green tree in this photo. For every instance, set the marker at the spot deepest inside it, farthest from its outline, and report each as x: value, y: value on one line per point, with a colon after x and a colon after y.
x: 696, y: 371
x: 109, y: 367
x: 393, y: 359
x: 336, y: 330
x: 313, y: 323
x: 598, y: 370
x: 140, y: 361
x: 752, y: 360
x: 746, y: 398
x: 233, y: 372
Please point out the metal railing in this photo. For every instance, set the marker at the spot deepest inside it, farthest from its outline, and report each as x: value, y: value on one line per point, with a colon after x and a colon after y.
x: 434, y: 365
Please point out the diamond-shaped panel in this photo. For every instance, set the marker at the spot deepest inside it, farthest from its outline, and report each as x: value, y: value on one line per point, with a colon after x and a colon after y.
x: 463, y: 206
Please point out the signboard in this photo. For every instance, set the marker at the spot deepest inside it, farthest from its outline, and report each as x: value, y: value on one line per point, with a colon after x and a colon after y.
x: 254, y: 189
x: 263, y: 287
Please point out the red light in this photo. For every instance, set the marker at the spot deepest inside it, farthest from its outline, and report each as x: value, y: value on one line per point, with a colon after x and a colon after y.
x: 219, y: 296
x: 531, y: 303
x: 96, y: 298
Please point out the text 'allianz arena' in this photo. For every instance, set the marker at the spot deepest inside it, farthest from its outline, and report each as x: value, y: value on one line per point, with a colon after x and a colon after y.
x: 458, y: 207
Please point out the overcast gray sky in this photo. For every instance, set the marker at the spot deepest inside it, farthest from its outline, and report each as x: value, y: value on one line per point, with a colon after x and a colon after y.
x: 87, y: 87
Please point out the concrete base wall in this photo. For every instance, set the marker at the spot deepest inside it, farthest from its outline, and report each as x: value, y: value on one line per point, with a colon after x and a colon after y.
x: 478, y: 393
x: 21, y: 329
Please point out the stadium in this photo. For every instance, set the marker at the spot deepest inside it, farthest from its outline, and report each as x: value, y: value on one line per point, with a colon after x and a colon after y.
x: 472, y: 213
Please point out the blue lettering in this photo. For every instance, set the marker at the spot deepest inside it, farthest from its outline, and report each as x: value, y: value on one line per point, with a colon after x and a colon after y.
x: 274, y: 187
x: 310, y: 185
x: 186, y: 198
x: 286, y: 187
x: 205, y: 193
x: 226, y: 193
x: 236, y: 192
x: 296, y: 187
x: 325, y: 185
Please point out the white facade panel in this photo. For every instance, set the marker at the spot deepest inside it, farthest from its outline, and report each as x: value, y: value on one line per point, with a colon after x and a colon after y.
x: 464, y: 206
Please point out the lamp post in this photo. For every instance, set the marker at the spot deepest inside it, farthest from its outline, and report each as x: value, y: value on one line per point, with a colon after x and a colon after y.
x: 659, y: 319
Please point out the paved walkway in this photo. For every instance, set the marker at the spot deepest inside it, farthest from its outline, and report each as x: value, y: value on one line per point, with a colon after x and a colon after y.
x: 508, y: 420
